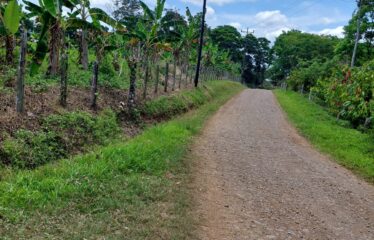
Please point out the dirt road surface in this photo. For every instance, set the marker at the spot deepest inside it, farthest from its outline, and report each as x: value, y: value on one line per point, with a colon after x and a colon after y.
x: 256, y: 178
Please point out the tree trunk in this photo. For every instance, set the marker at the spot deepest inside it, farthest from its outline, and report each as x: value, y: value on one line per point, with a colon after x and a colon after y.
x: 131, y: 104
x: 54, y: 49
x: 166, y: 77
x: 180, y: 76
x: 94, y: 86
x: 146, y: 79
x: 174, y: 74
x: 157, y: 78
x: 9, y: 46
x: 21, y: 74
x: 64, y: 77
x: 187, y: 70
x: 84, y: 53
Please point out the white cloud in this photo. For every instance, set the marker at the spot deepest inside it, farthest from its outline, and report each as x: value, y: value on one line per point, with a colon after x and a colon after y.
x: 270, y: 19
x: 338, y: 31
x: 210, y: 11
x: 236, y: 25
x: 269, y: 24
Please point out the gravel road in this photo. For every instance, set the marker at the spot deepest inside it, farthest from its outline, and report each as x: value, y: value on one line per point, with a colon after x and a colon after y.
x: 256, y: 178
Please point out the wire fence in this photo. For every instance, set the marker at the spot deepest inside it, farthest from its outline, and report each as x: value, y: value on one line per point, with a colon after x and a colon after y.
x: 160, y: 79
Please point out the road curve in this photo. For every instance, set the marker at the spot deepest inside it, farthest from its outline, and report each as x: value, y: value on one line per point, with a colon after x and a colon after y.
x: 255, y: 177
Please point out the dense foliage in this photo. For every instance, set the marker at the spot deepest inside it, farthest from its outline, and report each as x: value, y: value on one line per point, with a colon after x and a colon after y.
x: 66, y: 38
x: 329, y: 68
x: 60, y: 136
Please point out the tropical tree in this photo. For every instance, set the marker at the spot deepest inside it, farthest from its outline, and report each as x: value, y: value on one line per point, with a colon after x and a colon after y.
x: 362, y: 23
x: 228, y: 38
x: 10, y: 16
x: 49, y: 13
x: 294, y: 46
x: 125, y: 9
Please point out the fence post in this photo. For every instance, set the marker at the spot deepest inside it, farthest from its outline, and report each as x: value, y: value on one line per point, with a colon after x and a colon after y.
x: 174, y: 75
x: 146, y: 80
x: 166, y: 77
x: 180, y: 76
x: 157, y: 78
x: 191, y: 74
x: 94, y: 85
x: 64, y: 76
x: 21, y: 73
x: 202, y: 74
x: 187, y: 69
x: 132, y: 90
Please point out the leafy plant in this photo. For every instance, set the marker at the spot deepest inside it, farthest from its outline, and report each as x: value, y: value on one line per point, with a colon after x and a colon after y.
x: 350, y: 93
x: 60, y: 136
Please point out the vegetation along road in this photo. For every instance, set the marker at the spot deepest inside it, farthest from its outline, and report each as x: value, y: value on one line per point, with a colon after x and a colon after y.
x: 256, y: 178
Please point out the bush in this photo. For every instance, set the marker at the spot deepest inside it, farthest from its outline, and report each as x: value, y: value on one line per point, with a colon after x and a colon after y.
x: 78, y: 129
x: 60, y: 135
x: 349, y: 94
x: 167, y: 106
x: 31, y: 149
x: 8, y: 78
x: 309, y: 72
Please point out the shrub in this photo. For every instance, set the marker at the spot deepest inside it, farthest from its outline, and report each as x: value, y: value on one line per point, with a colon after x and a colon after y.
x: 31, y: 149
x: 60, y: 135
x: 167, y: 106
x: 78, y: 129
x: 349, y: 94
x: 309, y: 72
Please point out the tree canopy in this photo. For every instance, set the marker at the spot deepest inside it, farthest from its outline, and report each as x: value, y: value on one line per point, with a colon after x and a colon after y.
x: 229, y: 39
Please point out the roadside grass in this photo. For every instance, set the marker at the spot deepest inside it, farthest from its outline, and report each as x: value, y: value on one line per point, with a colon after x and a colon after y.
x: 129, y: 190
x: 349, y: 147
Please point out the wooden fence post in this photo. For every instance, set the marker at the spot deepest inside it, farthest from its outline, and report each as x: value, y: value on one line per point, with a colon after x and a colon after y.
x: 174, y: 75
x: 166, y: 77
x: 187, y: 69
x: 21, y: 73
x: 146, y: 80
x: 180, y: 76
x: 94, y: 85
x: 132, y: 90
x: 157, y: 78
x: 64, y: 75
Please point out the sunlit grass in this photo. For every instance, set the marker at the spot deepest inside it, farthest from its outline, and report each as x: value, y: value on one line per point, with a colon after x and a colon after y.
x: 130, y: 190
x: 349, y: 147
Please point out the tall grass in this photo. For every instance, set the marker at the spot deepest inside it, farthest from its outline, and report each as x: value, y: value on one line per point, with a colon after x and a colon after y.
x: 349, y: 147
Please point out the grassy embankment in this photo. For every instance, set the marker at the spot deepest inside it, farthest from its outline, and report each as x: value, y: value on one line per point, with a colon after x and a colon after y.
x: 349, y: 147
x: 130, y: 190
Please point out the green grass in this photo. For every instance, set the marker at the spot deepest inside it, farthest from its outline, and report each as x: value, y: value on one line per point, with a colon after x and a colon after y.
x: 58, y: 137
x: 168, y: 106
x: 349, y: 147
x: 130, y: 190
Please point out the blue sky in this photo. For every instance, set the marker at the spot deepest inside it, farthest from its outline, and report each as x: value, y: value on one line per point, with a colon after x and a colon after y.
x: 268, y: 18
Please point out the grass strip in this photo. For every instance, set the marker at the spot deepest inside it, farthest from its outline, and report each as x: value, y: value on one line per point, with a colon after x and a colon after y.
x: 349, y: 147
x: 130, y: 190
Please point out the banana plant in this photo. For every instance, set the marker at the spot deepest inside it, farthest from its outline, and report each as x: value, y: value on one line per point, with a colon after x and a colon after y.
x: 153, y: 21
x: 79, y: 20
x: 184, y: 38
x: 10, y: 16
x: 103, y: 40
x: 49, y: 13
